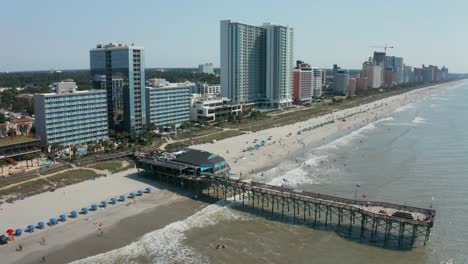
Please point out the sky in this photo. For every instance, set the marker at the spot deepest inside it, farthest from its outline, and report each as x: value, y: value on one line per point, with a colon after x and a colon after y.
x: 57, y: 34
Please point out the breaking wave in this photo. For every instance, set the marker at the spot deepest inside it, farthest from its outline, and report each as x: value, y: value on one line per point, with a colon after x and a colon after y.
x: 419, y: 120
x: 165, y: 245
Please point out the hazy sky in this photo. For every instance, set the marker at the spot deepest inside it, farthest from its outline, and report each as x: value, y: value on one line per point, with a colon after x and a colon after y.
x: 57, y: 34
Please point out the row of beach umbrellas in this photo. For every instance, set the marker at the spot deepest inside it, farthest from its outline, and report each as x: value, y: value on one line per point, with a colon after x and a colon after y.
x: 74, y: 214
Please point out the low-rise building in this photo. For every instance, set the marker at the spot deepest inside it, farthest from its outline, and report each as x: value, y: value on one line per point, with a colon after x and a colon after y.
x: 168, y: 105
x: 71, y: 118
x: 210, y: 108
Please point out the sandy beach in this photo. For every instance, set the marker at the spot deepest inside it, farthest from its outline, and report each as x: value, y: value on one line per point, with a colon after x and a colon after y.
x: 285, y: 142
x: 123, y: 223
x: 81, y: 237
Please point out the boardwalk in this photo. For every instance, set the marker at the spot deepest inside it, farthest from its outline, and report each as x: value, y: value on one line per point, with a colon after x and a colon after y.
x: 379, y: 223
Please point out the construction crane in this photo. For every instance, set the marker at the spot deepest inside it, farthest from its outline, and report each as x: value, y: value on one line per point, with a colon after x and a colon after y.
x: 385, y: 47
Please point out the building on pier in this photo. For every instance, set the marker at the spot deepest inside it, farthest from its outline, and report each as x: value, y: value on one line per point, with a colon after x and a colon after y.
x: 187, y: 161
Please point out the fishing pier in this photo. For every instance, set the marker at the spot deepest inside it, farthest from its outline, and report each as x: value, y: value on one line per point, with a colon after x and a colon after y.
x: 382, y: 224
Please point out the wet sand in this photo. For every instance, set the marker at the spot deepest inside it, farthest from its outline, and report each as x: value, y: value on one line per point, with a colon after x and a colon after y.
x: 123, y: 233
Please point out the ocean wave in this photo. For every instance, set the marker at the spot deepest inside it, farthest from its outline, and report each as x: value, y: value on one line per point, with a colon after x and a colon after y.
x: 419, y: 120
x: 404, y: 108
x: 345, y: 140
x: 165, y: 245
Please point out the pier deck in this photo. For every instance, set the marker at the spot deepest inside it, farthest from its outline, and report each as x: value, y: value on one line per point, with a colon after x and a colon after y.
x: 380, y: 223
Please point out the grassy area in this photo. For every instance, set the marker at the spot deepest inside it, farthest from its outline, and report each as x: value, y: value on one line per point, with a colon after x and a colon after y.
x: 73, y: 176
x: 13, y: 180
x: 48, y: 184
x: 112, y: 166
x: 25, y: 189
x: 15, y: 140
x: 206, y: 139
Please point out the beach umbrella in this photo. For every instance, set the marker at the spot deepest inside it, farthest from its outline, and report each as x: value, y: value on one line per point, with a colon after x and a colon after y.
x: 18, y: 232
x: 84, y: 210
x: 40, y: 225
x: 104, y: 204
x: 148, y: 189
x: 30, y: 228
x: 113, y: 200
x: 74, y: 214
x: 10, y: 231
x: 140, y: 192
x: 53, y: 221
x: 94, y: 207
x: 63, y: 217
x: 122, y: 198
x: 132, y: 195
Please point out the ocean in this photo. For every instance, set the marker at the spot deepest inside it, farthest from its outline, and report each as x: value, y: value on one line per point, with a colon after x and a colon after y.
x: 417, y: 155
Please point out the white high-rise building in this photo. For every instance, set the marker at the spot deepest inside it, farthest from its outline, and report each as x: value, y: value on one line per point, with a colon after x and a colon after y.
x: 257, y: 64
x: 279, y: 65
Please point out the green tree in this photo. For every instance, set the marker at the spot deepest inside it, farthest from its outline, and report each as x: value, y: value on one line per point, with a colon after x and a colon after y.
x: 151, y: 127
x: 2, y: 118
x: 11, y: 132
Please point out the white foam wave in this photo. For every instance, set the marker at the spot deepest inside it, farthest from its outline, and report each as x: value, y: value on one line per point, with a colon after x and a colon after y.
x: 353, y: 135
x: 165, y: 245
x: 433, y: 105
x: 419, y: 120
x: 404, y: 108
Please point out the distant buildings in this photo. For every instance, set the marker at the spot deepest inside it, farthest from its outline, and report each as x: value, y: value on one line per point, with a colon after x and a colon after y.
x: 71, y: 117
x: 341, y: 81
x: 307, y: 83
x: 352, y: 83
x: 373, y: 72
x: 210, y: 108
x: 123, y: 68
x: 257, y: 64
x: 168, y: 105
x: 206, y: 68
x: 204, y: 88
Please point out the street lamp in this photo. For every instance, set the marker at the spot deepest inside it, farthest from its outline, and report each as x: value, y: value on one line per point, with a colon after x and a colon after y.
x: 355, y: 193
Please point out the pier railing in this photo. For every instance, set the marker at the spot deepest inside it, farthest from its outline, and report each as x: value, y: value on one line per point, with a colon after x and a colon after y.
x: 381, y: 223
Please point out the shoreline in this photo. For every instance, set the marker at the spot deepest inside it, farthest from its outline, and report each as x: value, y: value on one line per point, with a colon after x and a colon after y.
x: 259, y: 160
x: 79, y: 238
x: 119, y: 234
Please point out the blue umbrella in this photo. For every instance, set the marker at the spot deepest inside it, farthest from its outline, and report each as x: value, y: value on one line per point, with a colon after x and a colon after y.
x: 132, y: 195
x: 18, y: 232
x: 84, y: 210
x: 74, y: 214
x: 122, y: 198
x: 94, y: 207
x: 30, y: 228
x: 53, y: 221
x: 113, y: 200
x: 148, y: 189
x: 40, y: 225
x: 140, y: 192
x: 104, y: 204
x: 63, y: 217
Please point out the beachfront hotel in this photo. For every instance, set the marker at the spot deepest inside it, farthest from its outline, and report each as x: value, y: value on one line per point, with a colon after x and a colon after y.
x: 169, y: 104
x: 71, y: 117
x: 123, y: 68
x: 257, y: 64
